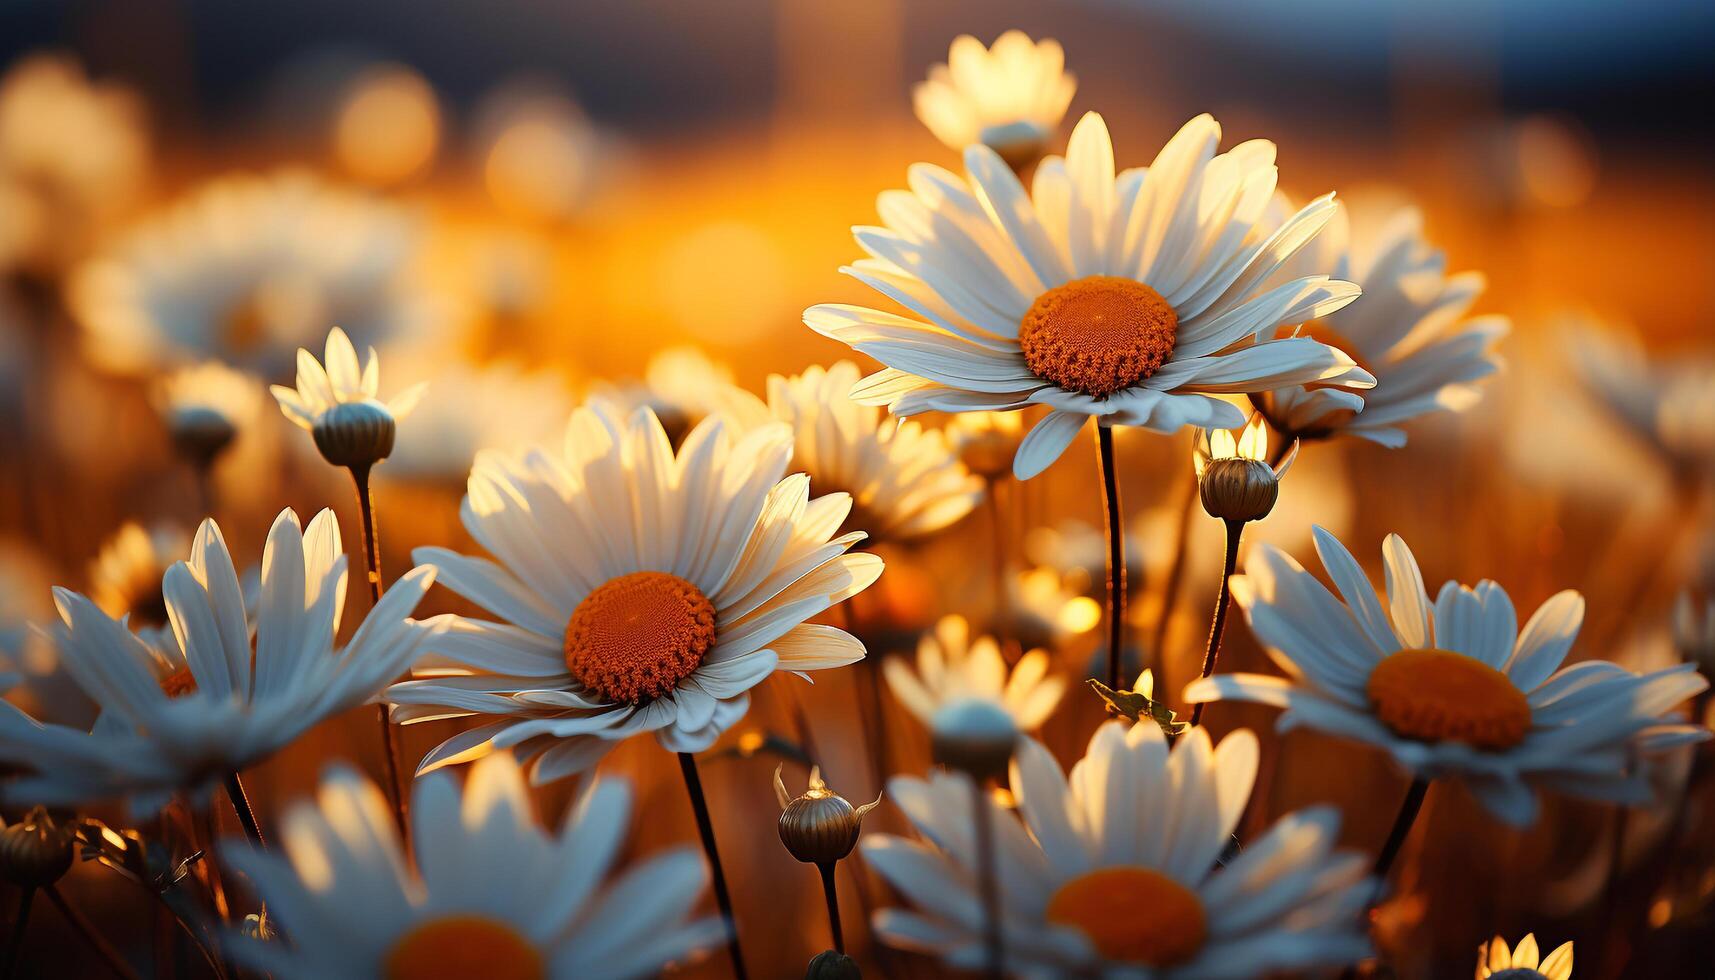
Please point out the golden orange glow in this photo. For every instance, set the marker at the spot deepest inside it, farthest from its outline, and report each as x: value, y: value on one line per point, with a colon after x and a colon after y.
x: 389, y: 125
x: 1441, y: 695
x: 457, y: 946
x: 1133, y: 915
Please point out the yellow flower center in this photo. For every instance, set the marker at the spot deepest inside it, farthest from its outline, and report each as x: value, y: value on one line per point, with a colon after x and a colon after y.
x: 1133, y: 915
x: 637, y: 636
x: 179, y: 683
x: 1439, y: 695
x: 1098, y: 335
x: 457, y: 946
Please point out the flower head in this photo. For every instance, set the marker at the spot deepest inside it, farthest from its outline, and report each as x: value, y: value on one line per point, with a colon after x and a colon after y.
x: 1113, y: 871
x: 818, y: 827
x: 1496, y: 962
x: 1411, y: 330
x: 1452, y: 687
x: 682, y: 386
x: 1132, y: 299
x: 951, y: 666
x: 639, y: 590
x: 1669, y: 403
x: 499, y: 406
x: 1234, y: 477
x: 1010, y: 97
x: 340, y: 407
x: 212, y: 701
x: 205, y: 406
x: 986, y: 441
x: 488, y: 894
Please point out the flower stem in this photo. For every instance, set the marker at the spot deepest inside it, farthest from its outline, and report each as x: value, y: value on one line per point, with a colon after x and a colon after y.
x: 1218, y: 628
x: 987, y: 886
x: 246, y: 815
x: 25, y: 899
x: 1116, y: 554
x: 372, y: 564
x: 706, y: 830
x: 1401, y: 830
x: 91, y: 935
x: 832, y: 895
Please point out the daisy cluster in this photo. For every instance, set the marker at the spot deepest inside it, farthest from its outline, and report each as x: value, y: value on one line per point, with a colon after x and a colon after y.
x: 676, y: 573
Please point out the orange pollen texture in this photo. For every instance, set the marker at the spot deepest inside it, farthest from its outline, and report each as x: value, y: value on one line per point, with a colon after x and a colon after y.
x: 179, y: 683
x: 1439, y: 695
x: 1098, y: 335
x: 637, y: 636
x: 458, y: 946
x: 1133, y: 915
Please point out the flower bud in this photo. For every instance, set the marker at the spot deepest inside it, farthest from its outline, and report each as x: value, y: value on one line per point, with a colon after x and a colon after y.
x: 1238, y: 489
x: 200, y: 434
x: 819, y: 827
x: 975, y: 737
x: 355, y: 434
x: 35, y: 852
x: 829, y: 965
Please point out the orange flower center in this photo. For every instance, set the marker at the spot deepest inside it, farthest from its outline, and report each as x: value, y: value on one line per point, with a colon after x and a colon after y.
x: 1438, y: 695
x: 1098, y: 335
x: 457, y: 946
x: 637, y: 636
x: 1133, y: 915
x: 179, y: 683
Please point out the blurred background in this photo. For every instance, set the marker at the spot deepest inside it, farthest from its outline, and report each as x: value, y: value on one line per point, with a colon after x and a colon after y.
x: 529, y: 202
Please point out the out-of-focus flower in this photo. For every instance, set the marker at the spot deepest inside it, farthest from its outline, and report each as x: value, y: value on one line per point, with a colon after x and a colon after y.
x: 986, y: 441
x: 974, y: 736
x: 1409, y: 330
x: 1234, y: 477
x: 247, y: 270
x: 1669, y: 403
x: 72, y: 154
x: 32, y: 675
x: 1453, y: 688
x: 819, y: 827
x: 1137, y: 825
x: 205, y: 406
x: 538, y: 150
x: 489, y: 893
x: 1133, y: 300
x: 225, y: 705
x: 1496, y: 962
x: 498, y: 406
x: 338, y: 404
x: 125, y: 579
x: 904, y: 480
x: 1079, y: 551
x: 1045, y: 611
x: 682, y: 386
x: 640, y: 591
x: 1010, y: 97
x: 952, y: 667
x: 388, y: 124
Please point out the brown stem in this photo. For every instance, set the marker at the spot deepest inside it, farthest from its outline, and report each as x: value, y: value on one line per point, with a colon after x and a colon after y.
x: 706, y: 831
x: 1116, y: 555
x: 832, y: 895
x: 987, y: 885
x: 1218, y: 628
x: 372, y: 565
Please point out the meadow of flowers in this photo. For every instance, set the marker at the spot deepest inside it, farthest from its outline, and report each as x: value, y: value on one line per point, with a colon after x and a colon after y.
x: 1079, y: 590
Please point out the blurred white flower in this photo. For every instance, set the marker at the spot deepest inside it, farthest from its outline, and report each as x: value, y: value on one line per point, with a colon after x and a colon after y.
x: 1011, y: 97
x: 489, y: 893
x: 951, y: 666
x: 1496, y: 962
x: 500, y: 406
x: 1667, y: 401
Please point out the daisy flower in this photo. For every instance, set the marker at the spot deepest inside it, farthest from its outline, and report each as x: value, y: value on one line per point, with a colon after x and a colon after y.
x: 1113, y: 872
x: 638, y: 590
x: 1010, y: 97
x: 500, y: 406
x: 490, y: 893
x: 904, y: 480
x: 1669, y: 403
x: 339, y: 403
x: 682, y: 386
x: 1496, y: 962
x: 1451, y: 688
x: 1133, y: 299
x: 211, y: 702
x: 951, y: 666
x: 205, y: 405
x: 1410, y: 331
x: 986, y: 441
x: 247, y: 270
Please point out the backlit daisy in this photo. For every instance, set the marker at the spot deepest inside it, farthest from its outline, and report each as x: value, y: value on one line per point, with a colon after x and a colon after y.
x: 212, y: 702
x: 495, y: 406
x: 1133, y: 300
x: 125, y: 578
x: 1112, y: 873
x: 1410, y: 331
x: 986, y: 441
x: 1496, y: 962
x: 1452, y: 688
x: 489, y: 893
x: 904, y: 480
x: 340, y: 406
x: 1667, y: 401
x: 205, y: 405
x: 638, y: 590
x: 249, y: 269
x: 682, y: 386
x: 1010, y: 97
x: 951, y: 666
